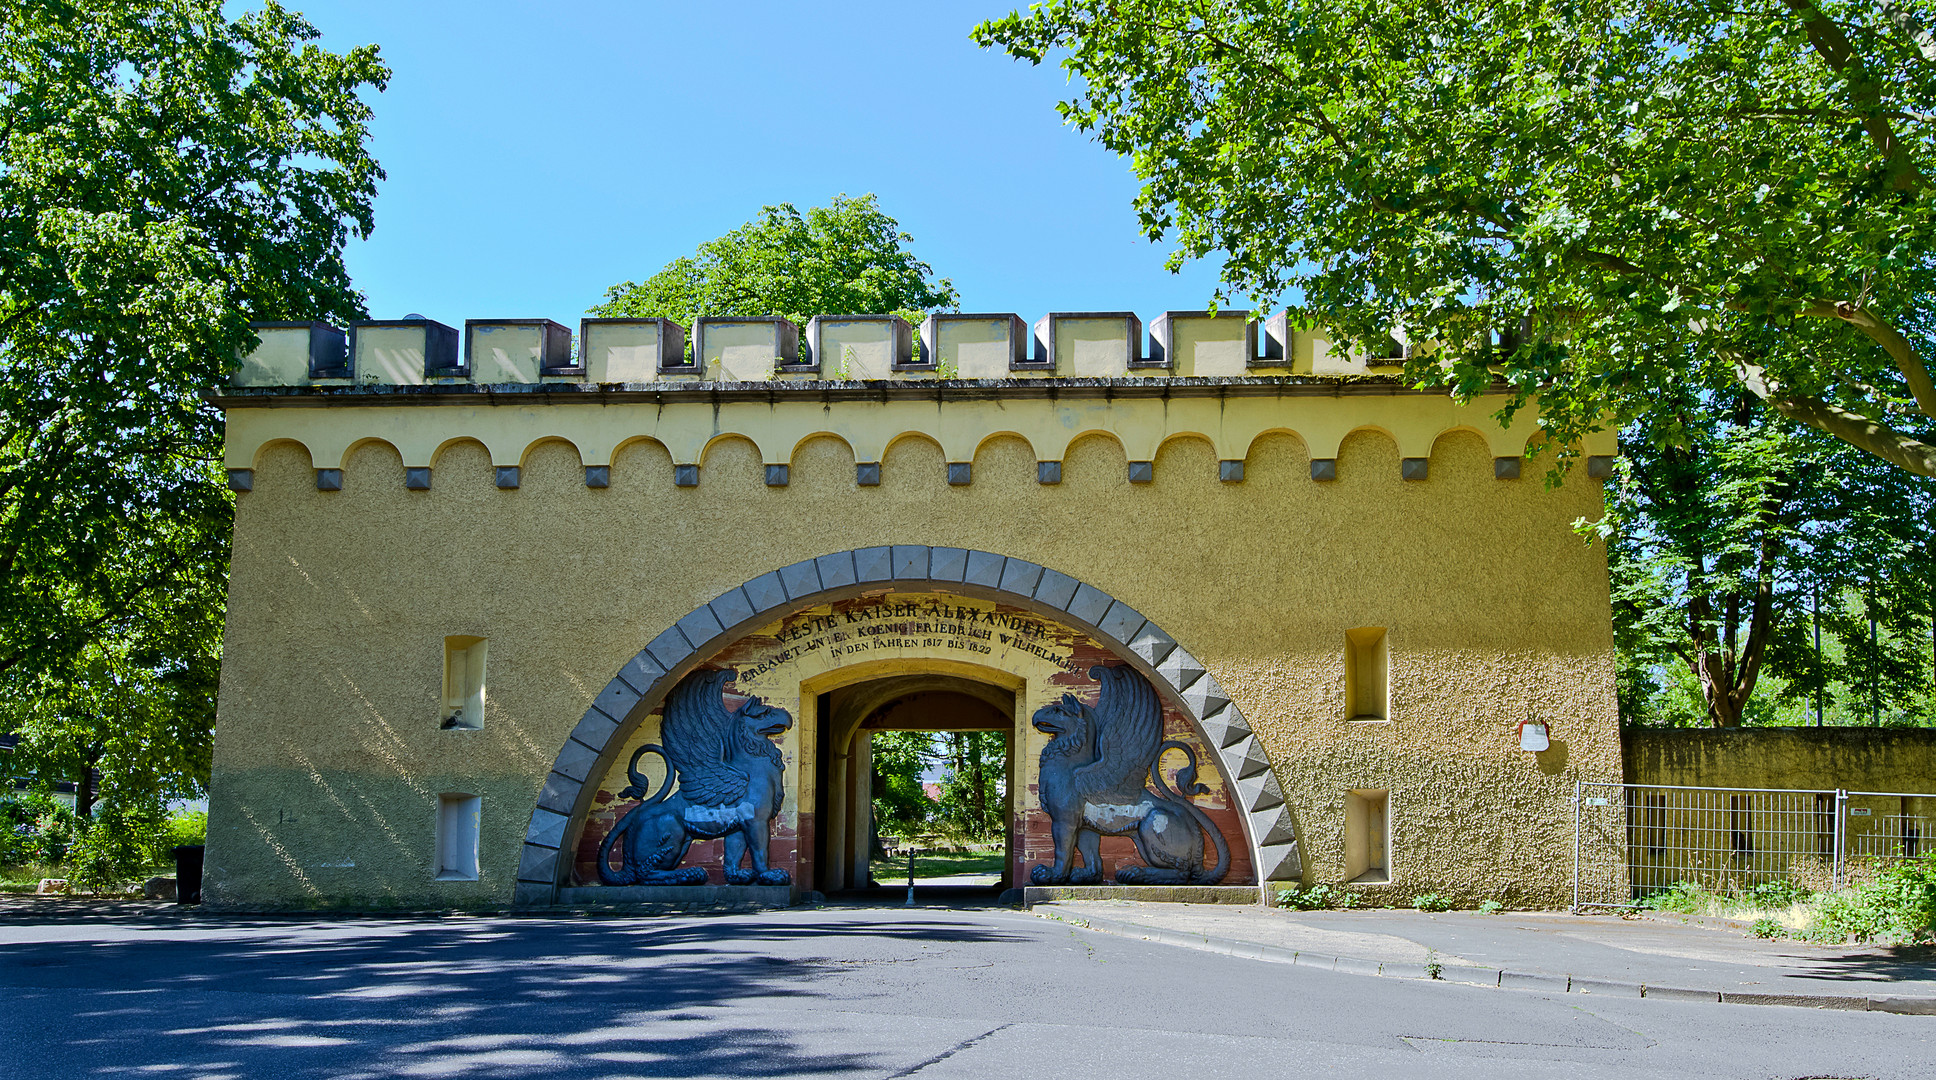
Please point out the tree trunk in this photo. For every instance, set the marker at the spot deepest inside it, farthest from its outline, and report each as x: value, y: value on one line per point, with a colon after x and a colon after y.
x: 84, y: 792
x: 979, y: 800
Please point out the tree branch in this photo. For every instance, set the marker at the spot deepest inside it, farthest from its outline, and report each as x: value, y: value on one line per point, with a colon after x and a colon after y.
x: 1897, y: 346
x: 1835, y: 49
x: 1925, y: 43
x: 1851, y: 427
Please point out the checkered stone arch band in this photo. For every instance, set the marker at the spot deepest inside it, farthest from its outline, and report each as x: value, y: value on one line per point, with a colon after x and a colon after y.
x: 645, y: 679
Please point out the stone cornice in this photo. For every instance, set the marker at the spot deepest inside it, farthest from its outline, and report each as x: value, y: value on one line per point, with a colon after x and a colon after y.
x: 827, y: 390
x: 689, y: 419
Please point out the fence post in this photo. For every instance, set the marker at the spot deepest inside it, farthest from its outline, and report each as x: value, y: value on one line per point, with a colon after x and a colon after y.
x: 1578, y: 789
x: 1841, y: 834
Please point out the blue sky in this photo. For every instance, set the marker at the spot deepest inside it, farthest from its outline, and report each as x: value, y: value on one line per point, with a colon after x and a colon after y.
x: 539, y: 153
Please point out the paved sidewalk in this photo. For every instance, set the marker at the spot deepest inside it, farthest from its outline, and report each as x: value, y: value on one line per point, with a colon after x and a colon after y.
x: 1655, y: 957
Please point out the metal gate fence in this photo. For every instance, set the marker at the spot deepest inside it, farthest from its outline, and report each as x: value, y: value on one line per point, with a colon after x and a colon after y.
x: 1633, y: 840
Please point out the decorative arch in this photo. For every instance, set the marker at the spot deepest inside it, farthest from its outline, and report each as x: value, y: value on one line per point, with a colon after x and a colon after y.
x: 645, y: 679
x: 793, y: 453
x: 524, y: 456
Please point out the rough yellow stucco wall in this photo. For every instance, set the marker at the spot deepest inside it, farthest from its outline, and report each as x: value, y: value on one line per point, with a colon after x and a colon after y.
x: 328, y: 752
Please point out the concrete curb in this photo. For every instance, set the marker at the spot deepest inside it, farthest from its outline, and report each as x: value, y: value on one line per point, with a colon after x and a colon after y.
x: 1493, y: 977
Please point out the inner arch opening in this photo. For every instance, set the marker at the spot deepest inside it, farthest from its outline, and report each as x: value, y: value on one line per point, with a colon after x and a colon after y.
x: 919, y: 762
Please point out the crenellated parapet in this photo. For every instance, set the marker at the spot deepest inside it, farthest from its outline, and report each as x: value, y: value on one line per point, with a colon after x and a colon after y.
x: 947, y: 346
x: 869, y: 381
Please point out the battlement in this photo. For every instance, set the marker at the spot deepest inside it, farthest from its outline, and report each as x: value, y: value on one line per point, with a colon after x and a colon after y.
x: 869, y: 381
x: 1075, y: 345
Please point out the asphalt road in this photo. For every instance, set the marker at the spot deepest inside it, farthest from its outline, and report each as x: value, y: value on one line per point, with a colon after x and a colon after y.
x: 880, y: 992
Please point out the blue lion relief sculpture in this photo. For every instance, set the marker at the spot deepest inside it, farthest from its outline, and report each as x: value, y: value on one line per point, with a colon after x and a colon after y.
x: 731, y: 779
x: 1092, y: 785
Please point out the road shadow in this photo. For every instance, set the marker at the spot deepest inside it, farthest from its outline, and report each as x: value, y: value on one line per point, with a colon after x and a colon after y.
x: 460, y: 996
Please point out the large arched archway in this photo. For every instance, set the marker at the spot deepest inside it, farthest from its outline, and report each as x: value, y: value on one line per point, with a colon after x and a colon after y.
x: 643, y: 682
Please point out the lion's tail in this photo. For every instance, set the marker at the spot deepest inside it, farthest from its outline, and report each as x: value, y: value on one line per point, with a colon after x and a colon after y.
x: 640, y: 785
x: 1186, y: 781
x: 637, y: 790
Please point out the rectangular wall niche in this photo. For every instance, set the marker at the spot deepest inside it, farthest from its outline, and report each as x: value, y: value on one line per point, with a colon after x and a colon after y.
x: 1367, y: 837
x: 457, y: 816
x: 1366, y: 661
x: 463, y: 684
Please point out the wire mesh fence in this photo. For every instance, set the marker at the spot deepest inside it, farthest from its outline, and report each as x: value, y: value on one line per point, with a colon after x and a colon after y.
x: 1632, y: 841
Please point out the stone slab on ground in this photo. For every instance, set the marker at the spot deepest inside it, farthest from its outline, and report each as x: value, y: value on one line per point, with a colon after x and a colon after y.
x: 679, y: 897
x: 1595, y: 954
x: 1173, y: 894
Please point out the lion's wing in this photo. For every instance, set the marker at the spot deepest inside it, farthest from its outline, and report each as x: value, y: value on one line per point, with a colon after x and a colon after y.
x: 1129, y: 727
x: 698, y: 737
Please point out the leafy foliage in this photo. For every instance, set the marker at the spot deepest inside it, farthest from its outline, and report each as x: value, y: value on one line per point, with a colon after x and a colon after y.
x: 167, y: 174
x: 847, y: 258
x: 185, y: 828
x: 36, y: 829
x: 1591, y: 201
x: 974, y: 804
x: 1897, y: 902
x: 140, y: 709
x: 1728, y: 527
x: 119, y: 843
x: 1317, y: 898
x: 901, y: 808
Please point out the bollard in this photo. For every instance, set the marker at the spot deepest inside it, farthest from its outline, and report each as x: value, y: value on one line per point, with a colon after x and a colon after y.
x: 910, y: 899
x: 188, y: 873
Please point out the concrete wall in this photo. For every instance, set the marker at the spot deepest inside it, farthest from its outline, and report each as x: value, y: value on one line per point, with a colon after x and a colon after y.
x: 1815, y: 759
x: 329, y: 759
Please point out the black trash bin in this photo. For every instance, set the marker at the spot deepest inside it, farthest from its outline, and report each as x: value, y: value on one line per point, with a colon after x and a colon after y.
x: 188, y: 874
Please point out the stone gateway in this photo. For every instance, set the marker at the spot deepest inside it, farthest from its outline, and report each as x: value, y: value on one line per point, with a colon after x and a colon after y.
x: 599, y: 625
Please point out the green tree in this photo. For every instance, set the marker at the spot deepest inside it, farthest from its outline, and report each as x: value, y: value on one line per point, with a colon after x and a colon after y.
x: 1728, y: 527
x: 140, y: 710
x: 167, y: 174
x: 1595, y: 201
x: 847, y: 258
x: 901, y: 807
x: 974, y: 806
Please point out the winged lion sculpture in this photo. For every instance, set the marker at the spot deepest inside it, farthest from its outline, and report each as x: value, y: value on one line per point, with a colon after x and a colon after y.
x: 1092, y: 785
x: 731, y: 779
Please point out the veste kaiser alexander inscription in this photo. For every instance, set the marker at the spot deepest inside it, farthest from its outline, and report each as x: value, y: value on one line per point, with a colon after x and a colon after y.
x: 892, y: 625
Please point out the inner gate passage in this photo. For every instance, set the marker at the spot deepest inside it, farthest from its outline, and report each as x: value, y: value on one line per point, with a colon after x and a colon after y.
x: 856, y: 845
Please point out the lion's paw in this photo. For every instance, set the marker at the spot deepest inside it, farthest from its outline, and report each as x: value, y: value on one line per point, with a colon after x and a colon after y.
x: 1088, y: 875
x: 776, y: 876
x: 738, y: 875
x: 1043, y: 875
x: 1150, y: 875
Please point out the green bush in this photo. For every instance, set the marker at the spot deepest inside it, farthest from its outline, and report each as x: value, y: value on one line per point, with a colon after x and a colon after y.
x: 35, y: 828
x: 117, y: 845
x: 1776, y: 894
x: 1491, y: 907
x: 1315, y: 898
x: 1684, y: 897
x: 1431, y: 901
x: 1767, y: 928
x: 1849, y: 914
x: 1908, y: 890
x: 185, y: 828
x: 1900, y: 903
